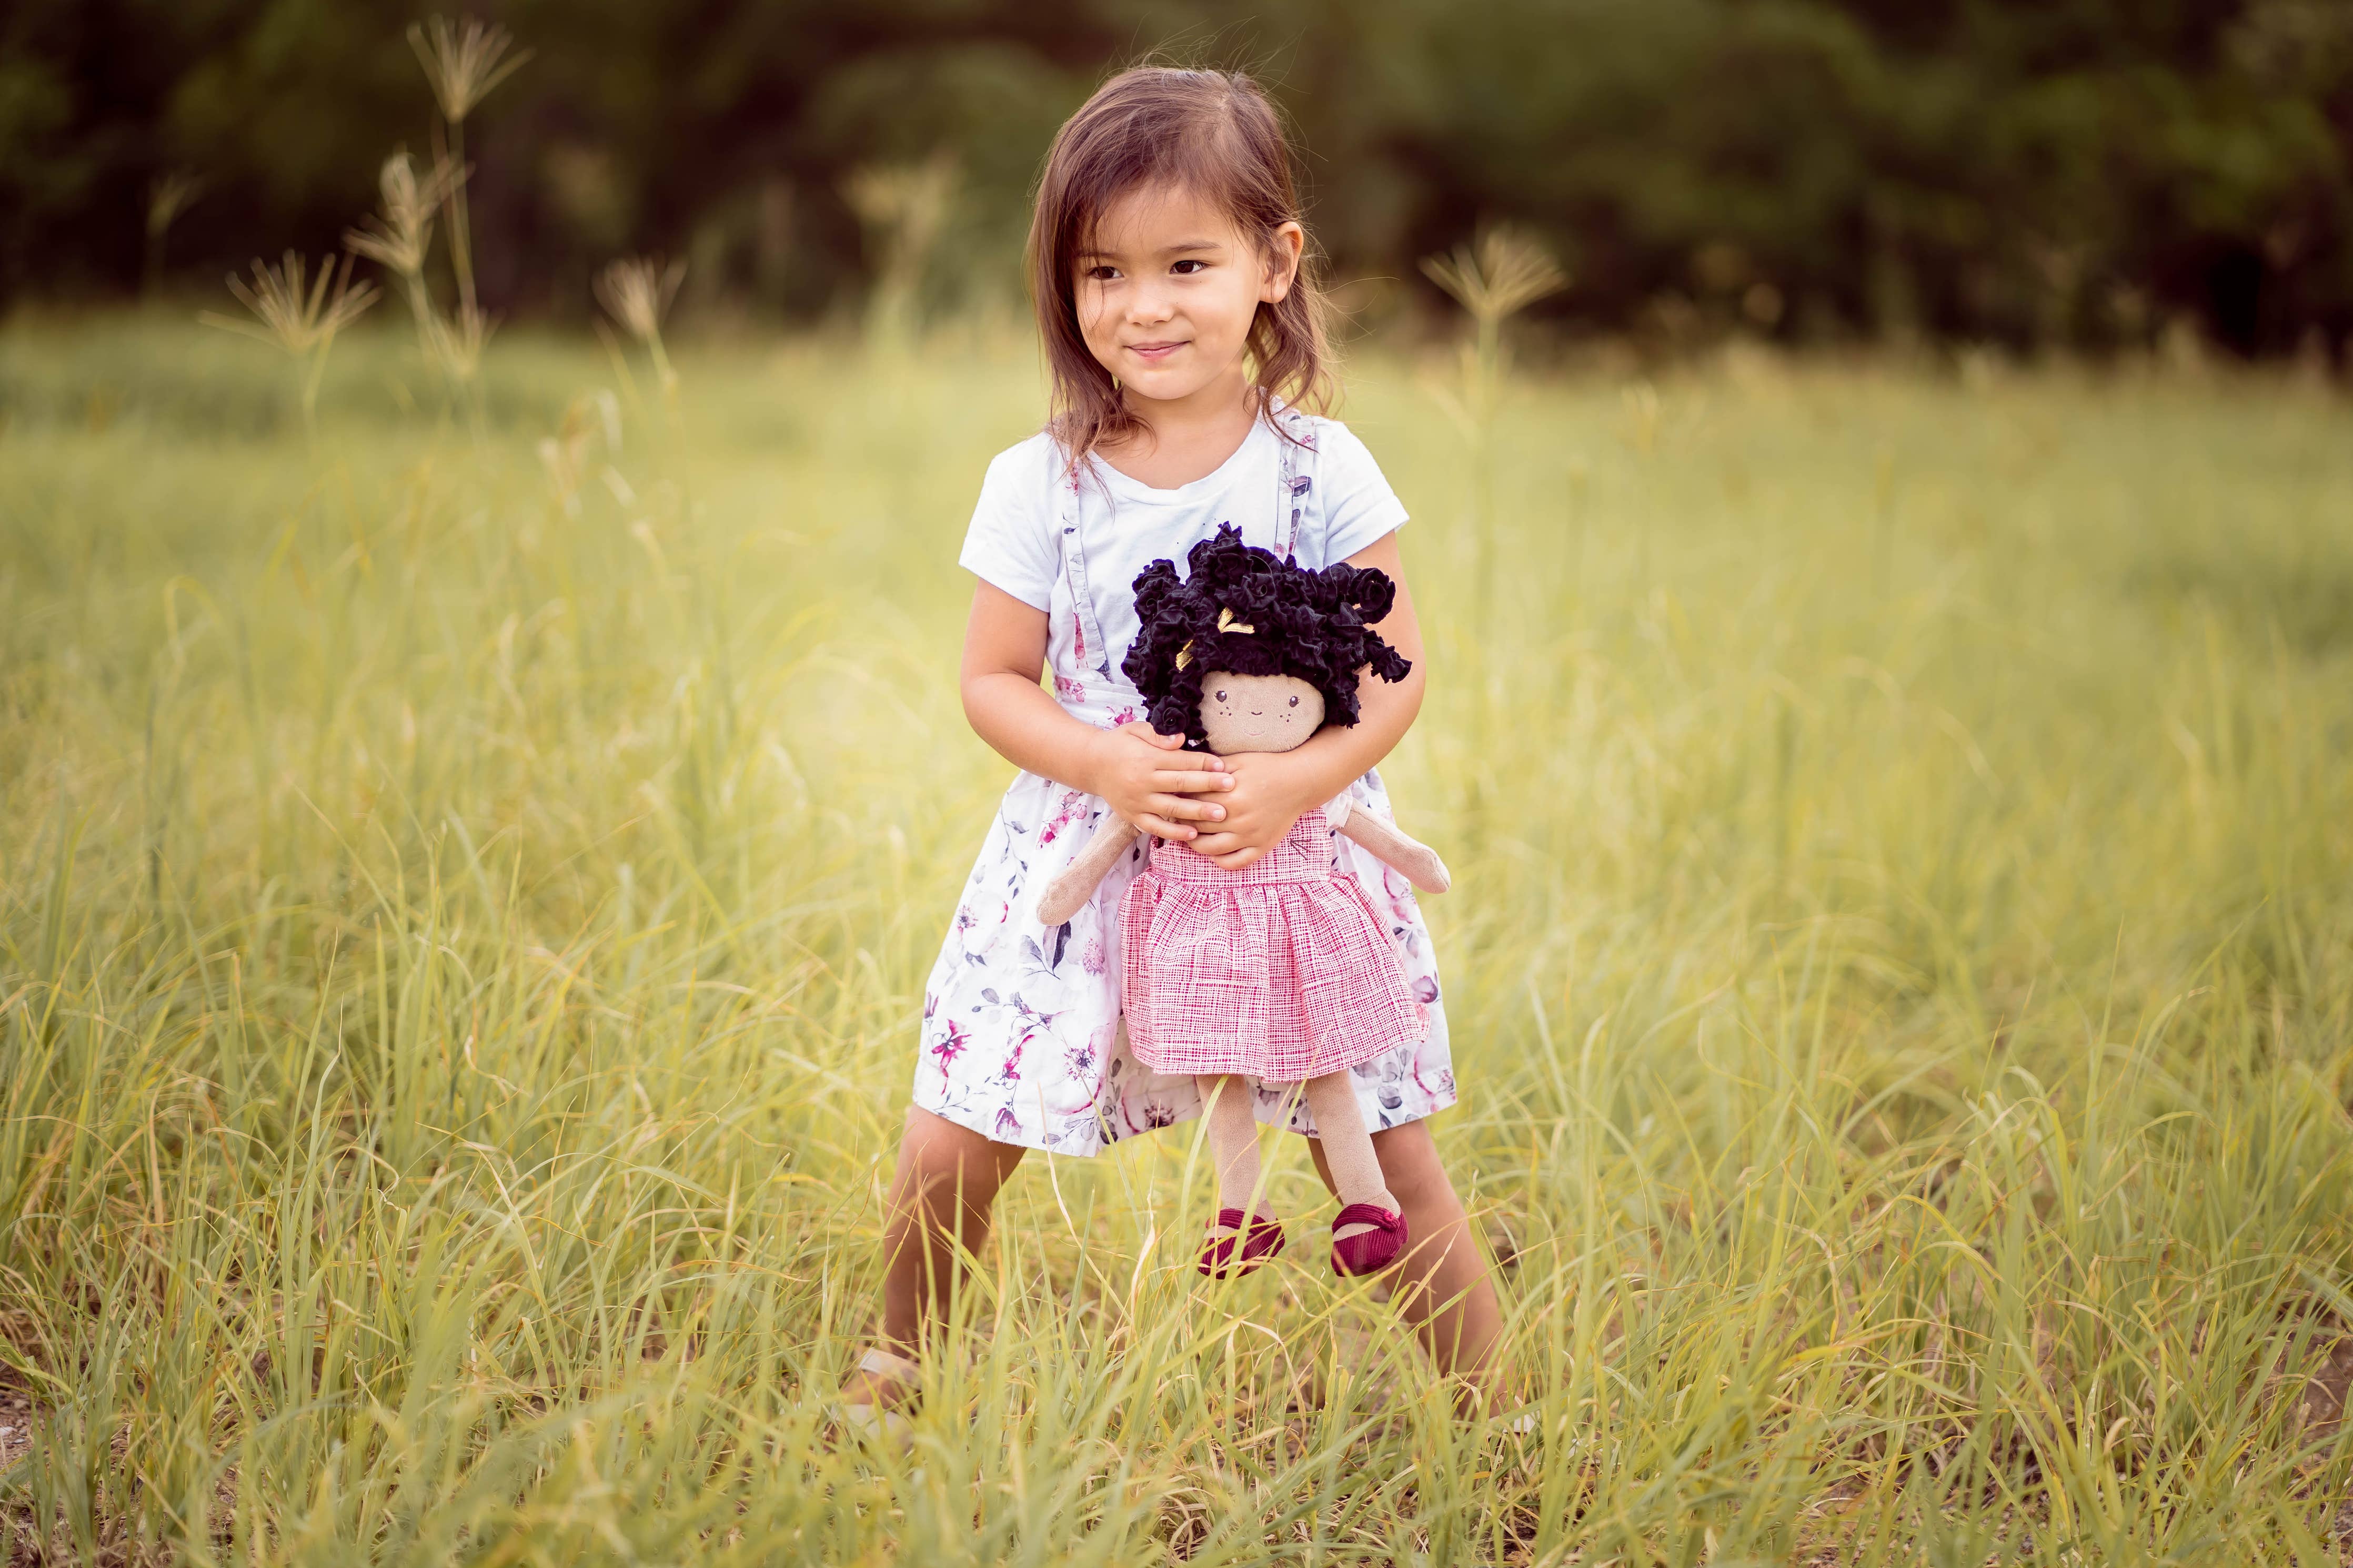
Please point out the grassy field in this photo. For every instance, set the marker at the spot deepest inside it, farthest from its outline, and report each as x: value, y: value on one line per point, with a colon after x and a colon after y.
x: 467, y: 876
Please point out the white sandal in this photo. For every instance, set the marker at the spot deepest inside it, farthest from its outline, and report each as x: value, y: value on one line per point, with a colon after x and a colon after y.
x: 883, y: 1424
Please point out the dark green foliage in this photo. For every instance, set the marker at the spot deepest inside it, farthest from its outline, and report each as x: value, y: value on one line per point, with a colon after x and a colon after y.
x: 2030, y: 171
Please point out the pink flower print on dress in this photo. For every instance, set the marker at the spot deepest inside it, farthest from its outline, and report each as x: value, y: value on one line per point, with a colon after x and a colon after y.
x: 1124, y: 716
x: 1074, y: 805
x: 1400, y: 892
x: 951, y: 1045
x: 1090, y: 955
x: 1069, y: 690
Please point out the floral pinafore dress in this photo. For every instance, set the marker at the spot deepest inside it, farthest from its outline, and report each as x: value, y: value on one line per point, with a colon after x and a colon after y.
x: 1021, y: 1037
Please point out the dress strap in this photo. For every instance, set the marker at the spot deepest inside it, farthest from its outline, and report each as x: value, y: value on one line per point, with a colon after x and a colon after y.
x: 1296, y: 481
x: 1091, y: 655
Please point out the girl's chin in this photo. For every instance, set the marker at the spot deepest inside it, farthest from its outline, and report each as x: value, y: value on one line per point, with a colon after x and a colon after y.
x: 1172, y: 384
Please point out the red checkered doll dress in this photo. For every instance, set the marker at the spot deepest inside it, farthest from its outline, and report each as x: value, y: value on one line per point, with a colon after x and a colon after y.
x: 1281, y: 972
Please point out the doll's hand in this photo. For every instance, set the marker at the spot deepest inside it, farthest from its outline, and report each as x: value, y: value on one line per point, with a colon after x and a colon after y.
x: 1151, y: 780
x: 1269, y: 791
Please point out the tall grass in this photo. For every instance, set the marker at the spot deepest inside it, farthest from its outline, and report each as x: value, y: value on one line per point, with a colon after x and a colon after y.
x: 462, y: 909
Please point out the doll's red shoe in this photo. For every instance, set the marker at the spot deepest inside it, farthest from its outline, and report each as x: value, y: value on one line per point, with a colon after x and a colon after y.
x: 1369, y: 1251
x: 1259, y: 1241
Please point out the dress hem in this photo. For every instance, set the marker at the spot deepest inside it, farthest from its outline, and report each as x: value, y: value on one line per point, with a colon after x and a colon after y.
x: 970, y: 1122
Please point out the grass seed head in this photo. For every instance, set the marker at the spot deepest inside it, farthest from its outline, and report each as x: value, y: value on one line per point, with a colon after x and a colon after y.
x: 398, y: 237
x: 637, y: 291
x: 463, y: 61
x: 296, y: 316
x: 1499, y: 275
x: 457, y: 342
x: 169, y: 194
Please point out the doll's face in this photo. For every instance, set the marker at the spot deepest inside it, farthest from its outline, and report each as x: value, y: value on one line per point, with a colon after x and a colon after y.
x: 1257, y: 712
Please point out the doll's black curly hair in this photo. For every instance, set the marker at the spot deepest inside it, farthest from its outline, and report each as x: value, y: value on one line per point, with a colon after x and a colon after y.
x: 1244, y: 611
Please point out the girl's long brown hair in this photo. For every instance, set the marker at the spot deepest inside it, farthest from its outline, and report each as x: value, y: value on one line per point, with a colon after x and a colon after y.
x: 1213, y: 134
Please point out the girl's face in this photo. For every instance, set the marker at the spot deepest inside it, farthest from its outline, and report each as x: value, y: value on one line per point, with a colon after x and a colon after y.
x: 1168, y: 288
x: 1257, y: 712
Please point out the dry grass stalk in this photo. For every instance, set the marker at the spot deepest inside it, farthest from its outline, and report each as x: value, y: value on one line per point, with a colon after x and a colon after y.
x: 905, y: 206
x: 1498, y: 275
x: 299, y: 317
x: 169, y: 194
x: 463, y: 61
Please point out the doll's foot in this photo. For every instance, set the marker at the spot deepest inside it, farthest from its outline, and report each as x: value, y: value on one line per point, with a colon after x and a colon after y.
x: 1262, y: 1241
x: 1366, y: 1239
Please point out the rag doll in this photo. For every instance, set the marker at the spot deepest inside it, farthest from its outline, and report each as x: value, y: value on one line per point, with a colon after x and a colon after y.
x: 1280, y: 972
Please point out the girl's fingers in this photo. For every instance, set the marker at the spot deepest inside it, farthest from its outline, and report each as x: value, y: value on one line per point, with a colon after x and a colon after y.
x: 1184, y: 808
x: 1191, y: 782
x: 1160, y: 827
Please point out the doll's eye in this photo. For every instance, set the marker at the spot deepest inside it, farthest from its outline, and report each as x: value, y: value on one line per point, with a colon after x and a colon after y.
x: 1294, y: 703
x: 1221, y: 697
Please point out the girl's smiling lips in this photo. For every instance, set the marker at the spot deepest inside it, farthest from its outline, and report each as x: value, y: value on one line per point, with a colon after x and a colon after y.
x: 1153, y: 351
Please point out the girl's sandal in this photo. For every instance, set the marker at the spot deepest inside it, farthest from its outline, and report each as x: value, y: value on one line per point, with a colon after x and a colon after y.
x: 883, y: 1422
x: 1368, y: 1251
x: 1261, y: 1241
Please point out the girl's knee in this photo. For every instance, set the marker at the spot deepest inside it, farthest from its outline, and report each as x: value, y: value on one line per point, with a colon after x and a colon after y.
x: 940, y: 1159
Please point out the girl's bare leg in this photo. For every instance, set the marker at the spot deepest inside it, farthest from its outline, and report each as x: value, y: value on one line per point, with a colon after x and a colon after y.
x: 939, y: 1206
x: 1443, y: 1286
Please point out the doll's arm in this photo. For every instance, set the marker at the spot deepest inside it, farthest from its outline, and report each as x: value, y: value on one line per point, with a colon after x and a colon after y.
x: 1419, y: 861
x: 1076, y: 884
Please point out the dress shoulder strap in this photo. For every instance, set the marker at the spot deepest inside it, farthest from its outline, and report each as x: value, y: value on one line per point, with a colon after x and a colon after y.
x: 1295, y: 499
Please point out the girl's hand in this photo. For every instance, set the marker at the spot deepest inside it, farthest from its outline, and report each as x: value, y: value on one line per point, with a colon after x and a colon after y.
x: 1153, y: 782
x: 1269, y: 792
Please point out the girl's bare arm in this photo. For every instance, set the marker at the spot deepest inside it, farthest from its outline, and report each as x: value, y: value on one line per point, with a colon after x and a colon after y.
x: 1144, y: 776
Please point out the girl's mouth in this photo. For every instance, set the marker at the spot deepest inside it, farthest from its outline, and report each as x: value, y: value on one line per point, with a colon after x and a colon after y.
x: 1153, y: 353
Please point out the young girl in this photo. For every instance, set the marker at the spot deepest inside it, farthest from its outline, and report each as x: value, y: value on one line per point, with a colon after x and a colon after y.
x: 1187, y: 348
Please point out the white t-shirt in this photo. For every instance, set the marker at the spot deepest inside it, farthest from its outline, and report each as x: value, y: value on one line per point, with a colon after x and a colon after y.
x: 1013, y: 541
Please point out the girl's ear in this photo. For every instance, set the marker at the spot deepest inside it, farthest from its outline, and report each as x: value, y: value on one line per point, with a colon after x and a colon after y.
x: 1283, y: 247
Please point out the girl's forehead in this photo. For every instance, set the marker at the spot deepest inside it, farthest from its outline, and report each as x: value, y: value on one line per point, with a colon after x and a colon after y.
x: 1149, y: 219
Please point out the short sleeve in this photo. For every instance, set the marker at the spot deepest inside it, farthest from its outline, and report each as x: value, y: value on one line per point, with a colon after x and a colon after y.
x: 1010, y: 541
x: 1359, y: 505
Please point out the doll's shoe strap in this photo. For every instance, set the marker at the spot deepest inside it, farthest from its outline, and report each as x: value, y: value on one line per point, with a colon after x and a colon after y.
x: 1368, y: 1252
x: 1260, y: 1238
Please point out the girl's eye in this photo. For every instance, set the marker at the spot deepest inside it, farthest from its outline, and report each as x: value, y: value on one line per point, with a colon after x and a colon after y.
x: 1294, y: 703
x: 1100, y: 274
x: 1179, y: 268
x: 1221, y: 697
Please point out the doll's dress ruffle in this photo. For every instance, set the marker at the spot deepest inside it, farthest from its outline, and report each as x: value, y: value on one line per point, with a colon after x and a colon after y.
x: 1283, y: 970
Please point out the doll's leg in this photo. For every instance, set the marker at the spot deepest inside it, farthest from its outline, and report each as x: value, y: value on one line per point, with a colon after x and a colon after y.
x: 1240, y: 1240
x: 1355, y: 1170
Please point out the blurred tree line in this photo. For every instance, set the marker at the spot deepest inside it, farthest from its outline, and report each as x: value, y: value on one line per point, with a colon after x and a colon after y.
x: 2083, y: 171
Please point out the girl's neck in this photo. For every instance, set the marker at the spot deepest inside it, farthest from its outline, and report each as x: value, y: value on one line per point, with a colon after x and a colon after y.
x: 1187, y: 438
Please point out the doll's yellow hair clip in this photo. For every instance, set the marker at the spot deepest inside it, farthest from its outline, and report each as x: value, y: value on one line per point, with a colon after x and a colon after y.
x: 1226, y: 621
